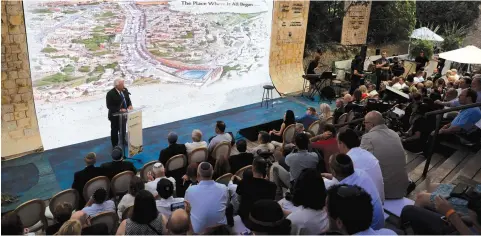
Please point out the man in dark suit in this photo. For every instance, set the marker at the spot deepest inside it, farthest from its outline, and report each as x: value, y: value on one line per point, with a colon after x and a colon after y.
x: 172, y: 150
x: 118, y: 100
x: 117, y: 165
x: 242, y: 159
x: 339, y: 110
x: 82, y: 177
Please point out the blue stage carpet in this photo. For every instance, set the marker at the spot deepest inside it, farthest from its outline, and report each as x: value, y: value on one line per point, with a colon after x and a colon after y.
x: 41, y: 175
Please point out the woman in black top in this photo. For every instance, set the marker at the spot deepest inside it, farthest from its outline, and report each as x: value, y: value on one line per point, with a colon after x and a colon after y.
x: 417, y: 136
x: 356, y: 73
x: 289, y: 119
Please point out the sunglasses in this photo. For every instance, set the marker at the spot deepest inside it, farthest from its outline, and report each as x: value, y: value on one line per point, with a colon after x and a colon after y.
x: 348, y: 191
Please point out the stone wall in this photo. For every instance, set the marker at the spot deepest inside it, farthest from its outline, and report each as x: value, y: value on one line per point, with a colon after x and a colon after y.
x: 20, y: 132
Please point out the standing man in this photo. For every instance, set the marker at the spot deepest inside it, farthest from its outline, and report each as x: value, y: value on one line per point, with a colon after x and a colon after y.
x: 118, y: 99
x: 422, y: 61
x: 382, y: 69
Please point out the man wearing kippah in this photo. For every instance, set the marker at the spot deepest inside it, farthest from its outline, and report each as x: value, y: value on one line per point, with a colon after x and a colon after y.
x: 117, y: 165
x: 207, y: 200
x: 83, y: 176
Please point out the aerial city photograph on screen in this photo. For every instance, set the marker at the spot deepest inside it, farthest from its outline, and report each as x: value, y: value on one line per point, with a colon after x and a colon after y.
x: 174, y: 56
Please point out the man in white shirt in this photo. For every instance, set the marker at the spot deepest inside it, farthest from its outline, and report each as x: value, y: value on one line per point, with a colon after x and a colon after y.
x: 167, y: 204
x: 220, y: 137
x: 419, y: 77
x: 99, y: 203
x: 158, y: 173
x: 207, y: 200
x: 400, y: 84
x: 196, y: 141
x: 350, y: 210
x: 348, y: 143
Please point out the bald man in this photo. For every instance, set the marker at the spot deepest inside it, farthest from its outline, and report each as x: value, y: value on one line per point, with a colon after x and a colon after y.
x: 179, y: 223
x: 87, y: 229
x: 386, y: 146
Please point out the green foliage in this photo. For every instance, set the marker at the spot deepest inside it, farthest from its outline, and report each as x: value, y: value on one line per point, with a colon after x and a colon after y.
x: 49, y: 50
x: 444, y: 12
x: 111, y: 65
x: 75, y: 59
x: 454, y: 35
x: 42, y: 11
x: 99, y: 69
x: 421, y: 45
x: 68, y: 69
x: 324, y: 24
x: 93, y: 44
x: 93, y: 78
x: 159, y: 53
x: 69, y: 12
x: 107, y: 14
x: 391, y: 21
x: 179, y: 49
x: 54, y: 79
x: 84, y: 69
x: 189, y: 35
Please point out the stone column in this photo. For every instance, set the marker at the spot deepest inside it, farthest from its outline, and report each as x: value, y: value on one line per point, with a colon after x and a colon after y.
x: 20, y: 132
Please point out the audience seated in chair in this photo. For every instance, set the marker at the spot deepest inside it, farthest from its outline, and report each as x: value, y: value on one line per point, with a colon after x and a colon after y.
x: 351, y: 211
x: 99, y: 203
x: 136, y: 184
x: 297, y: 161
x: 289, y: 119
x: 475, y: 86
x: 167, y: 203
x: 190, y: 177
x: 12, y: 225
x: 456, y: 212
x: 172, y: 150
x: 342, y: 169
x: 207, y: 200
x: 221, y: 167
x: 196, y: 141
x: 158, y: 173
x: 326, y: 143
x: 220, y: 136
x: 242, y: 159
x: 264, y: 144
x: 145, y: 220
x: 386, y: 146
x: 250, y: 190
x: 63, y: 212
x: 179, y: 223
x: 324, y: 112
x: 87, y: 228
x: 339, y: 109
x: 415, y: 139
x: 118, y: 164
x: 309, y: 195
x: 349, y: 143
x: 70, y: 227
x: 83, y: 176
x: 309, y: 117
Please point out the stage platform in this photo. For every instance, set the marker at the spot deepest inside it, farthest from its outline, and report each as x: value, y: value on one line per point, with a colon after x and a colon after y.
x: 41, y: 175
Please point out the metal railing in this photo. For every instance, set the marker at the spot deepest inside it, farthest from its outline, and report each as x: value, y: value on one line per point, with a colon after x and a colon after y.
x: 439, y: 116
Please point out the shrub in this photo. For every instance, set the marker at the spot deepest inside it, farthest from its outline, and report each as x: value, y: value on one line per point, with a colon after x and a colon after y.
x: 454, y: 35
x: 421, y: 45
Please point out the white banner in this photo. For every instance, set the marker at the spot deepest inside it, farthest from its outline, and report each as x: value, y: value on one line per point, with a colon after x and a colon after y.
x: 134, y: 125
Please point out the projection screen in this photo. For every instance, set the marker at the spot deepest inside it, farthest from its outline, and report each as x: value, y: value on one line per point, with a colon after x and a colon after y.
x: 179, y: 59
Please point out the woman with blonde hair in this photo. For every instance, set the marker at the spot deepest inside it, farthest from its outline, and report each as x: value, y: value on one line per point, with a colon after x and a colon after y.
x: 363, y: 90
x: 70, y: 227
x: 325, y: 111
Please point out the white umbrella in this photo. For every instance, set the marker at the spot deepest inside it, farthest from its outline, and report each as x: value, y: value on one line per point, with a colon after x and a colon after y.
x: 467, y: 55
x: 426, y: 34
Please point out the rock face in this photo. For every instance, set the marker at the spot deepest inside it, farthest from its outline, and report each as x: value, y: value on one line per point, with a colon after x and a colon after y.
x: 20, y: 132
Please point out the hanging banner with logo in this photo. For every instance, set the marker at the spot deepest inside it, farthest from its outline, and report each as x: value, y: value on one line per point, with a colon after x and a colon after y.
x: 134, y: 127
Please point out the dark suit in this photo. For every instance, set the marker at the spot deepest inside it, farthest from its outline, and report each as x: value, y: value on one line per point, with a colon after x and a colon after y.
x: 114, y: 103
x: 115, y: 167
x: 337, y: 113
x: 81, y: 178
x: 240, y: 160
x: 170, y: 151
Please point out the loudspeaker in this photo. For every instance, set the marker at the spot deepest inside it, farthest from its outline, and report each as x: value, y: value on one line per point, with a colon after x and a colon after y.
x: 378, y: 51
x: 363, y: 52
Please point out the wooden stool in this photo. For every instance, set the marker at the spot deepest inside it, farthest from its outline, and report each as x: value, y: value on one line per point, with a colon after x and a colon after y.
x: 265, y: 95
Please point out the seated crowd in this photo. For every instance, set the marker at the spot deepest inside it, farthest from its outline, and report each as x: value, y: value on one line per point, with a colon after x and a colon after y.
x: 333, y: 179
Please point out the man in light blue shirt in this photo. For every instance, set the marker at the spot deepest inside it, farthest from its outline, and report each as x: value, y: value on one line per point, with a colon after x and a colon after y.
x: 342, y: 168
x: 466, y: 119
x: 475, y: 85
x: 309, y: 117
x: 208, y: 200
x: 350, y: 210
